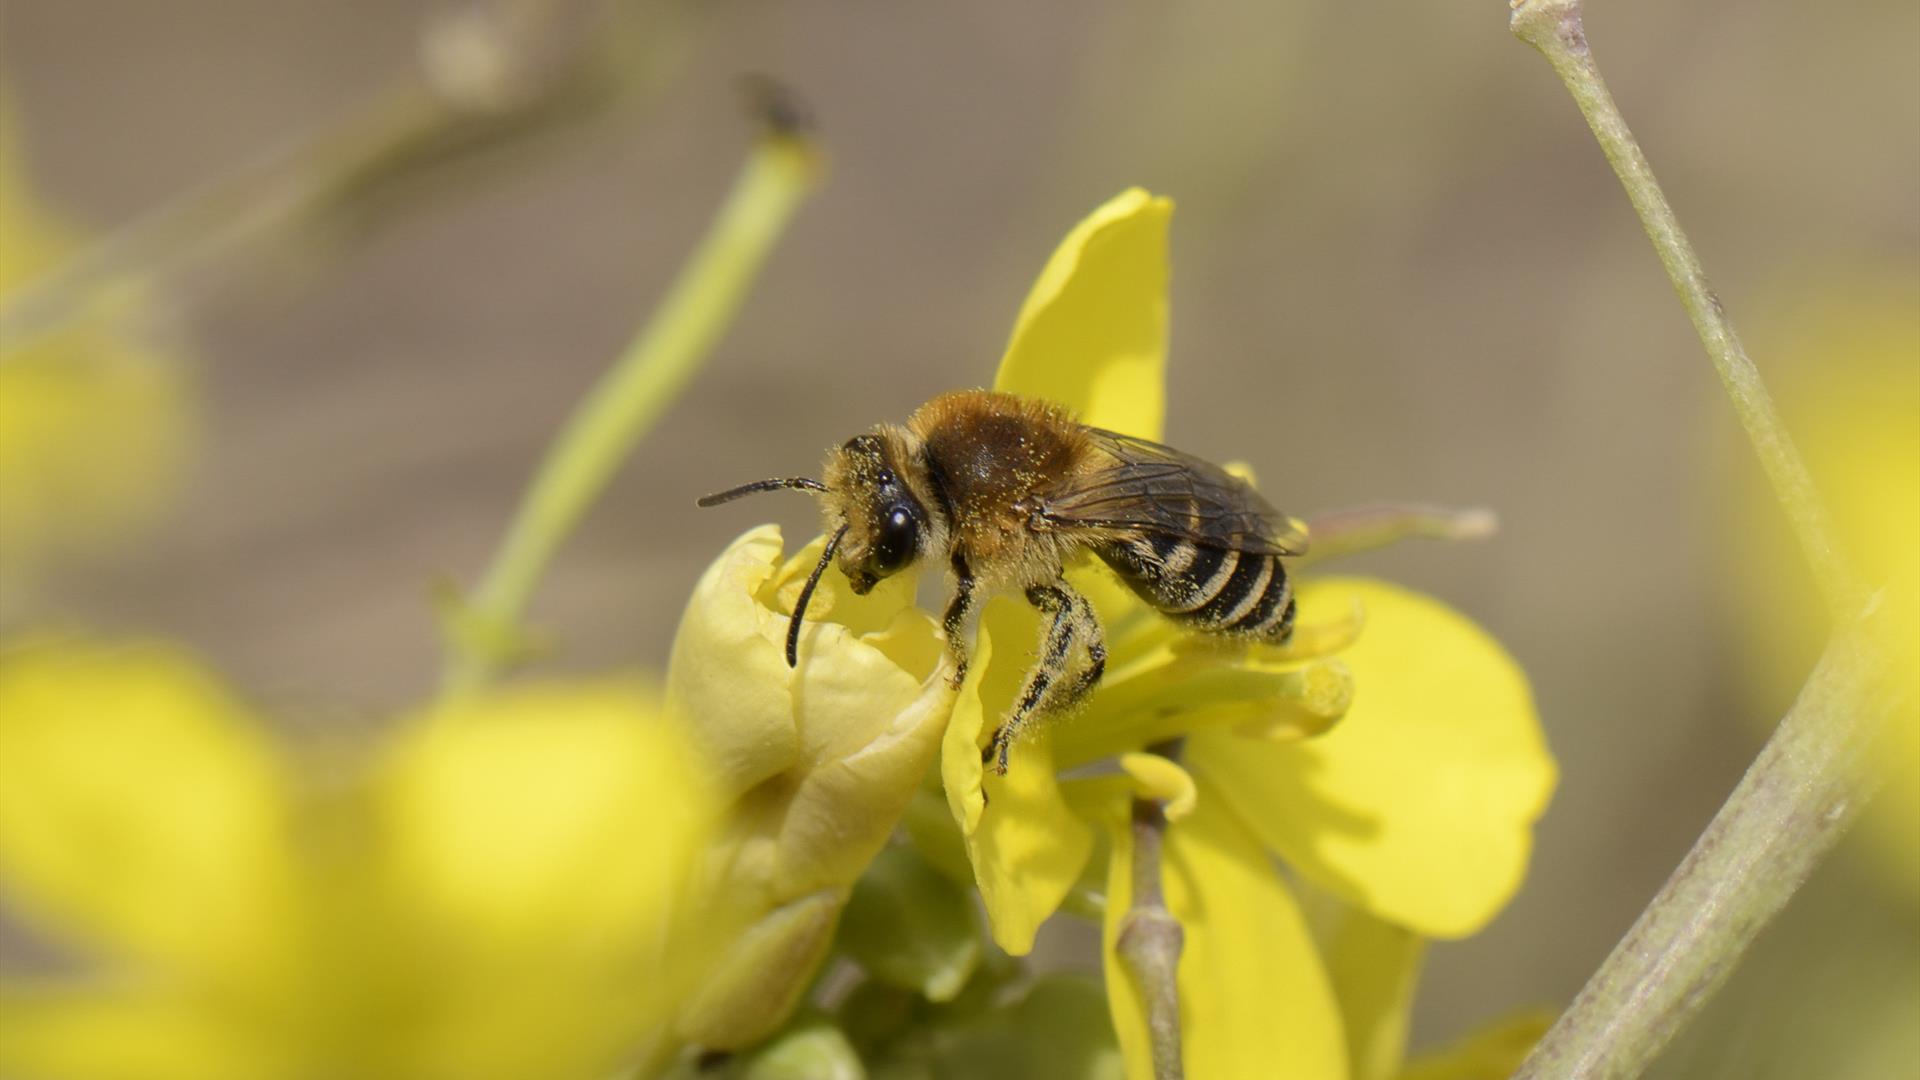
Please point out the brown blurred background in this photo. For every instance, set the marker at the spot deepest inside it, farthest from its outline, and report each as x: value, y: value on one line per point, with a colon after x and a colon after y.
x: 1401, y: 270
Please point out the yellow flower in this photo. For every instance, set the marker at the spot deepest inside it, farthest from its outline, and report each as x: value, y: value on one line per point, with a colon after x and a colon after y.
x: 1849, y: 357
x: 817, y: 762
x: 1417, y: 808
x: 494, y: 893
x: 94, y: 425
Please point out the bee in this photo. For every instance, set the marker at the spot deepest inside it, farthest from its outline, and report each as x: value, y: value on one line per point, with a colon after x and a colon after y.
x: 1008, y: 490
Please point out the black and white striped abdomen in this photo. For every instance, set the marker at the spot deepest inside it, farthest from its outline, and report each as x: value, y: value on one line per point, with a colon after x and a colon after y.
x: 1215, y: 589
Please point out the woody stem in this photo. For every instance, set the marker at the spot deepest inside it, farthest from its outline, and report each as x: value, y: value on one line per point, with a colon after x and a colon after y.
x: 1150, y: 938
x: 1812, y: 777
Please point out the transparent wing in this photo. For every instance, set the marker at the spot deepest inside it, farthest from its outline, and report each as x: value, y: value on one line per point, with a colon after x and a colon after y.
x: 1147, y: 487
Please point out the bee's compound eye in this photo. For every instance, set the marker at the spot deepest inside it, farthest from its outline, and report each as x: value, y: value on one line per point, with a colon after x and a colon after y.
x: 894, y: 541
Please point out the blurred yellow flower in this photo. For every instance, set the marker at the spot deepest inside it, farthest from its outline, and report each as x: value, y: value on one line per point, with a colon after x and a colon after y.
x: 816, y: 762
x: 1417, y: 807
x: 94, y: 425
x: 500, y: 891
x: 1849, y: 387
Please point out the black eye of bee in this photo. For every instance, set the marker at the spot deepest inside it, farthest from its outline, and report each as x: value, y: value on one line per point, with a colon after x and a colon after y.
x: 894, y: 539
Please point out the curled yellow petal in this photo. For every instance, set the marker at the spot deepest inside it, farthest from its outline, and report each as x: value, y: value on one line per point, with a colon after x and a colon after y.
x: 141, y: 809
x: 1419, y: 806
x: 1093, y: 333
x: 727, y: 673
x: 1162, y: 779
x: 1254, y: 999
x: 1026, y: 844
x: 818, y: 762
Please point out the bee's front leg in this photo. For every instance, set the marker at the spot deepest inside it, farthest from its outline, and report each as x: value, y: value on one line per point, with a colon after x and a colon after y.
x: 1070, y: 612
x: 954, y: 623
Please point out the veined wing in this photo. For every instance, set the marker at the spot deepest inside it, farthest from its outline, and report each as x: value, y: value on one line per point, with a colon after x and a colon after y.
x: 1146, y: 487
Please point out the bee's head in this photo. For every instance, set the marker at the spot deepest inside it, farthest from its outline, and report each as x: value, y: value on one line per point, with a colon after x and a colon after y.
x: 875, y: 521
x: 870, y: 490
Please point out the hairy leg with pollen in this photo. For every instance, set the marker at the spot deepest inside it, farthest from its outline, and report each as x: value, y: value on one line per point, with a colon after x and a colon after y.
x: 1049, y: 686
x: 954, y: 623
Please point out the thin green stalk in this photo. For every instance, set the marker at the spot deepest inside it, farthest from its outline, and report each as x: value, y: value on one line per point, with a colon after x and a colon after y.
x: 484, y: 631
x: 1554, y: 27
x: 1814, y: 774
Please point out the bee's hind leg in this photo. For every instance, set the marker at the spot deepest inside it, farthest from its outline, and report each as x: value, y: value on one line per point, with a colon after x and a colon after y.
x: 1088, y: 630
x: 1073, y: 621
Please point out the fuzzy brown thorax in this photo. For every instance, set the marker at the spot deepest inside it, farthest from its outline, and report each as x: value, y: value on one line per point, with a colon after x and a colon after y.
x: 991, y: 459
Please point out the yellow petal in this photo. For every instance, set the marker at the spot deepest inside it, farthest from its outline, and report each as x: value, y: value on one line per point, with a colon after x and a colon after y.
x: 1027, y: 847
x: 1093, y: 333
x: 727, y: 673
x: 538, y: 847
x: 1493, y: 1052
x: 92, y: 1034
x: 1419, y: 805
x: 754, y: 983
x: 141, y: 811
x: 1162, y: 779
x: 1375, y: 967
x: 818, y: 762
x: 1167, y: 695
x: 1254, y: 999
x: 547, y: 811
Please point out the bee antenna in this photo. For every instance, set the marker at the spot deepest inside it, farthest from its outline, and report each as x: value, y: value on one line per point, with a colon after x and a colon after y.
x: 806, y: 594
x: 799, y: 483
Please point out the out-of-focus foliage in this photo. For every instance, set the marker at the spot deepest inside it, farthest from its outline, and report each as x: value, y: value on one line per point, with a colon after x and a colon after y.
x: 502, y: 890
x: 95, y: 424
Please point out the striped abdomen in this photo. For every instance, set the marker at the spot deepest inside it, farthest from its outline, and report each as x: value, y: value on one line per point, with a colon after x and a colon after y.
x: 1218, y: 590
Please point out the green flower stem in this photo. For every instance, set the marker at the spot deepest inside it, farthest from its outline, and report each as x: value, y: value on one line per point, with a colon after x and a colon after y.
x: 1786, y: 814
x: 1554, y: 27
x: 1814, y: 774
x: 1150, y: 938
x: 484, y: 632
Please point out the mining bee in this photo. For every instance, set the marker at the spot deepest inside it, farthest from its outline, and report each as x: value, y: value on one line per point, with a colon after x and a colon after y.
x: 1008, y: 489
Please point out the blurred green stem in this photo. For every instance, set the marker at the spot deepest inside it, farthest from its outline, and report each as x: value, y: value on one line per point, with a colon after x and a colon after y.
x: 1814, y: 774
x: 484, y: 632
x: 1554, y: 27
x: 492, y: 76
